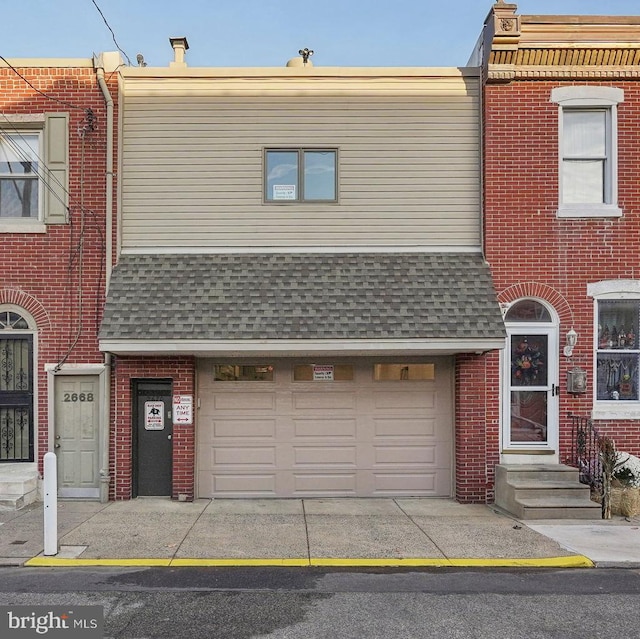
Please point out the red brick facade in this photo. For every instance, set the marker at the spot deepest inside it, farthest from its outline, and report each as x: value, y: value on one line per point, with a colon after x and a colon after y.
x: 534, y: 253
x: 58, y: 277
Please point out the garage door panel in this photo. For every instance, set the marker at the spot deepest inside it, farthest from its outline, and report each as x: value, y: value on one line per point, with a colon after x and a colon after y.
x: 238, y: 401
x: 405, y: 427
x: 403, y: 483
x: 325, y: 401
x: 405, y: 400
x: 240, y: 485
x: 240, y: 458
x: 253, y: 428
x: 321, y: 428
x: 338, y: 484
x: 325, y: 456
x: 245, y: 456
x: 405, y: 454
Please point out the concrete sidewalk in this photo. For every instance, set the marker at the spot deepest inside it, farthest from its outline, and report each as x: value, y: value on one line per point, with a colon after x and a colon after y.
x: 316, y: 532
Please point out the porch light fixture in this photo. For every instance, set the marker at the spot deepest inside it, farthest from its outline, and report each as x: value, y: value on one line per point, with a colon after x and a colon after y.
x: 572, y: 339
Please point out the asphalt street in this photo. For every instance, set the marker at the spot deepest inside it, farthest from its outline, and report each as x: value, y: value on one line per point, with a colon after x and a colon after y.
x: 310, y: 603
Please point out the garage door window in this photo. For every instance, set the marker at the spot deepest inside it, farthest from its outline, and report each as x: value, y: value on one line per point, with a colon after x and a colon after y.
x: 403, y: 372
x: 323, y: 373
x: 234, y: 373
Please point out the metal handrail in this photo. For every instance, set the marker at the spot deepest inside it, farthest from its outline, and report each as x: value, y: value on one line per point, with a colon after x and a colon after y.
x: 585, y: 451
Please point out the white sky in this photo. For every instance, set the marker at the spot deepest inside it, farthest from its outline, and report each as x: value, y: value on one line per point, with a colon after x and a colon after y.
x: 267, y: 32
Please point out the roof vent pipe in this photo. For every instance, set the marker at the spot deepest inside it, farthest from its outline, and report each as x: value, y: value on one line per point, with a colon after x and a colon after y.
x: 303, y: 60
x: 180, y: 46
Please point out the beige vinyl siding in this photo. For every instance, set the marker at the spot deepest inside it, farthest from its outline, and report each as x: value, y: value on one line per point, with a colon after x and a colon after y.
x: 408, y: 167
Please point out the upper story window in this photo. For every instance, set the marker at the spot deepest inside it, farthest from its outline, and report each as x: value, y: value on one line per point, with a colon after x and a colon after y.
x: 617, y: 348
x: 19, y: 168
x: 300, y: 175
x: 588, y: 150
x: 34, y: 172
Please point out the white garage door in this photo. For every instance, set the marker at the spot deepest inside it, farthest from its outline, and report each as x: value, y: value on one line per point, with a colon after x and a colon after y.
x: 340, y: 432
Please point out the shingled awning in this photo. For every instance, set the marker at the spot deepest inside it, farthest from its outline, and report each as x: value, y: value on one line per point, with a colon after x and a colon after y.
x: 331, y: 303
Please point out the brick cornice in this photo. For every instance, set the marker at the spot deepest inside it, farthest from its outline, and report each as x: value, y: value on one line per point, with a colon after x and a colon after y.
x: 560, y: 62
x: 552, y: 47
x: 507, y: 73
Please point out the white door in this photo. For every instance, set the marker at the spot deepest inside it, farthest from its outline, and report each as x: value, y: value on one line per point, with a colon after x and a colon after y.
x: 76, y: 435
x: 530, y: 383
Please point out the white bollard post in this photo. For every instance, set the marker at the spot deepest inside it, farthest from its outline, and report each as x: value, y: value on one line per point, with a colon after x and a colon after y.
x: 50, y: 504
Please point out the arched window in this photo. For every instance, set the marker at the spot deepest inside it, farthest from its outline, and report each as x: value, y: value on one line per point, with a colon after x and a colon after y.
x: 528, y: 311
x: 10, y: 320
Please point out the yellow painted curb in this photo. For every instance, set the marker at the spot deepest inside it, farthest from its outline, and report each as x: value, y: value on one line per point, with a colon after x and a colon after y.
x: 57, y: 561
x: 573, y: 561
x: 357, y: 562
x: 239, y: 562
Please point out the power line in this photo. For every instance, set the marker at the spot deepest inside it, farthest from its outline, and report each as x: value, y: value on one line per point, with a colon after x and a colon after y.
x: 113, y: 35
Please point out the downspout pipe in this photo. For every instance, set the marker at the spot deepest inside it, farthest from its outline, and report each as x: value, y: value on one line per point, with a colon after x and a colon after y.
x: 105, y: 478
x: 109, y: 188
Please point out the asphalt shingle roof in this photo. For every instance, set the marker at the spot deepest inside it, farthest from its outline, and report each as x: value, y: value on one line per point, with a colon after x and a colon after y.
x: 302, y: 296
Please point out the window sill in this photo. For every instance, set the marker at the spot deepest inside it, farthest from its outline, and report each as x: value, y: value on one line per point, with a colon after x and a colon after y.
x: 588, y: 210
x: 617, y: 411
x: 22, y: 227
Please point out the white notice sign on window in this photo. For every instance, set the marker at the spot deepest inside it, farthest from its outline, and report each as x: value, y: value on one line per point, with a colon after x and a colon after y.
x: 322, y: 373
x: 284, y: 191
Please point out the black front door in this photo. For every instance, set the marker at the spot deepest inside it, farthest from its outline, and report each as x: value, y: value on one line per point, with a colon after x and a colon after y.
x: 153, y: 429
x: 16, y: 398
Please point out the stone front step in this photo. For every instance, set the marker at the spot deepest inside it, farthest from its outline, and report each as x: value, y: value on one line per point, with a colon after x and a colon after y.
x: 559, y: 508
x: 540, y: 472
x: 12, y: 502
x: 530, y: 489
x: 18, y: 485
x: 544, y: 492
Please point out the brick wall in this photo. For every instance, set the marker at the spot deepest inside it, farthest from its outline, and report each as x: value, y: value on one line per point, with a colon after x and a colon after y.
x: 181, y: 371
x: 477, y: 427
x: 58, y: 276
x: 531, y: 251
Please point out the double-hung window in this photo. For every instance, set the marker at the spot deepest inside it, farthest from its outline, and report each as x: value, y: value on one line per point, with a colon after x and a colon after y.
x: 300, y: 175
x: 588, y: 162
x: 19, y: 169
x: 617, y: 348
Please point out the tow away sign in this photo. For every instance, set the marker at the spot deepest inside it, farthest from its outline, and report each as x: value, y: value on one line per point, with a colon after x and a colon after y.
x: 183, y: 409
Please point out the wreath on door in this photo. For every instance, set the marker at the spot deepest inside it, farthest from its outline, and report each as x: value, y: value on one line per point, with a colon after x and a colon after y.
x: 527, y: 363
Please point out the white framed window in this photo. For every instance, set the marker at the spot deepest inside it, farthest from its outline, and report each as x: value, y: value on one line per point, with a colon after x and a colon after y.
x: 20, y: 166
x: 300, y: 175
x: 588, y: 150
x: 616, y: 349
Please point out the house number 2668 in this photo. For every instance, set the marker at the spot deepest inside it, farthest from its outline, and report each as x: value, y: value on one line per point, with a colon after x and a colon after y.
x: 78, y: 397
